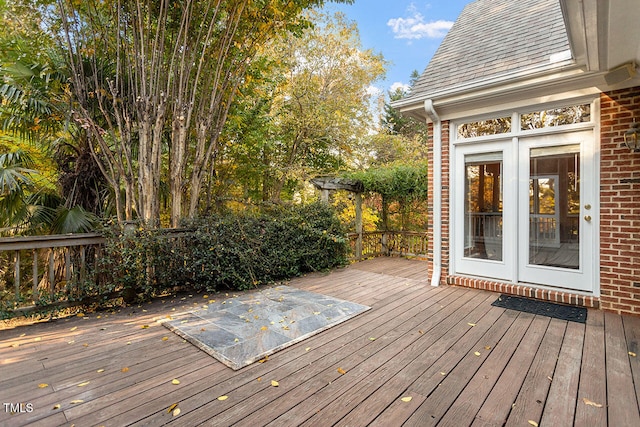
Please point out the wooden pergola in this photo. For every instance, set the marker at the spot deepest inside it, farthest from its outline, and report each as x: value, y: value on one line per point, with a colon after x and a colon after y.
x: 326, y: 184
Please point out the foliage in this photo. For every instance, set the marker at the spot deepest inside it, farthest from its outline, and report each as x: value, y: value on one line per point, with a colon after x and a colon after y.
x: 27, y: 207
x: 310, y: 114
x: 344, y: 204
x: 233, y: 251
x: 401, y: 182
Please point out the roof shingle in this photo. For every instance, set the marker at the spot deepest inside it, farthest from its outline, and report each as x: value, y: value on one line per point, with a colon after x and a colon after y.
x: 494, y: 37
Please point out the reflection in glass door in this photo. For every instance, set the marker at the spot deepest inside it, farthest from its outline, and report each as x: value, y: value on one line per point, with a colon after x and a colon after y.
x: 556, y: 219
x: 554, y: 208
x: 483, y: 207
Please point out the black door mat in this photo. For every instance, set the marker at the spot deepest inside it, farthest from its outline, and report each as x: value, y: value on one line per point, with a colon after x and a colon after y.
x: 543, y: 308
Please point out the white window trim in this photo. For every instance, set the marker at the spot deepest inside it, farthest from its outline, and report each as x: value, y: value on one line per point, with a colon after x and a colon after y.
x: 456, y: 144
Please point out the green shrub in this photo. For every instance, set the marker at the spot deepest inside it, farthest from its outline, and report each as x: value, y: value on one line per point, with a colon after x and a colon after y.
x: 234, y: 251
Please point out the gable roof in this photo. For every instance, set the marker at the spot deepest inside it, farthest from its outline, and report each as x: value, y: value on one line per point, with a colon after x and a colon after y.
x: 493, y: 38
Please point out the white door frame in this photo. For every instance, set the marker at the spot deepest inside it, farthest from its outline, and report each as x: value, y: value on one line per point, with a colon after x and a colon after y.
x: 514, y: 266
x: 582, y: 278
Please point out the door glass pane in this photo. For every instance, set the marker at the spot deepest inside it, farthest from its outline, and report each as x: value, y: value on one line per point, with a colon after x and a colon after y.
x: 554, y: 208
x: 483, y: 207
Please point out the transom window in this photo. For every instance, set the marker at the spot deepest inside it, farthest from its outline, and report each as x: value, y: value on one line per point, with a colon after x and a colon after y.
x: 539, y: 119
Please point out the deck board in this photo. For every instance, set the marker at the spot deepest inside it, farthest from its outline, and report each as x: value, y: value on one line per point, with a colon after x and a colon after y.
x: 417, y: 341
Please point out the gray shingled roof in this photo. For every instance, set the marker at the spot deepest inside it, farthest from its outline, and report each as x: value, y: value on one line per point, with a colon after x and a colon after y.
x: 494, y: 37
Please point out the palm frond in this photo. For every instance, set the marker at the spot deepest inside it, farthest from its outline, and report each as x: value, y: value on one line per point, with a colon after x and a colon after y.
x: 74, y: 220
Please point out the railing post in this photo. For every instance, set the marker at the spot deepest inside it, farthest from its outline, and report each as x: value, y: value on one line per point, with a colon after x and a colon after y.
x: 34, y: 293
x: 52, y: 271
x: 16, y: 274
x: 385, y: 243
x: 359, y: 226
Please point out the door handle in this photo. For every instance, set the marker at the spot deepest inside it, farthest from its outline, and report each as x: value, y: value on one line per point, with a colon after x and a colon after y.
x: 587, y: 218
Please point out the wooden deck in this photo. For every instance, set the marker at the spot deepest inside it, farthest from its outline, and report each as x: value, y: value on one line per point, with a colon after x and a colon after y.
x: 460, y: 360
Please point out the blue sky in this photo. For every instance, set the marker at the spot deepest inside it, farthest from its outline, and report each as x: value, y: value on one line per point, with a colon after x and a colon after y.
x: 406, y: 32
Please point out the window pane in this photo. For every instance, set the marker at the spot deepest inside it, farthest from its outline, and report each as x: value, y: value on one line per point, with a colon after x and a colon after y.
x: 483, y: 209
x: 485, y: 127
x: 556, y: 117
x: 554, y: 202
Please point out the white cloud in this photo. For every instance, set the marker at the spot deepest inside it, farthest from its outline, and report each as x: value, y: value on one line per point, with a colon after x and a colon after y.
x: 374, y: 91
x: 415, y: 27
x: 399, y: 85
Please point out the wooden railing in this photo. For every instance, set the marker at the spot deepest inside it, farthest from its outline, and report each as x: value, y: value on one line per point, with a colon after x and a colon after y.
x: 388, y: 243
x: 37, y: 270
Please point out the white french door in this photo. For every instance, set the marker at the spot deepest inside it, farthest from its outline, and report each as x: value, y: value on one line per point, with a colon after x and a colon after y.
x: 556, y: 214
x: 525, y: 210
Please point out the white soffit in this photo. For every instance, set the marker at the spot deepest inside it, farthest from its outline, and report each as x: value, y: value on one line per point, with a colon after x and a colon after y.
x: 604, y: 34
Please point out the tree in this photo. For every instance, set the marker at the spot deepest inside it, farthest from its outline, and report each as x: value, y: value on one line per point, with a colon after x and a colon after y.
x: 148, y: 76
x: 316, y: 109
x: 33, y: 109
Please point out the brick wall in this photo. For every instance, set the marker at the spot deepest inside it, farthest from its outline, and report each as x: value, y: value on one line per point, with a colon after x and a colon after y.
x: 619, y: 204
x: 445, y: 202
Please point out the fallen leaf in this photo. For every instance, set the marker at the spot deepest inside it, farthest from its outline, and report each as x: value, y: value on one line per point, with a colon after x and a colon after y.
x: 223, y: 397
x: 73, y: 329
x: 533, y: 423
x: 471, y: 324
x: 73, y: 402
x: 477, y: 353
x: 259, y: 379
x: 175, y: 382
x: 307, y: 349
x: 176, y: 412
x: 83, y: 384
x: 275, y: 383
x: 43, y: 385
x: 85, y: 345
x: 100, y: 371
x: 632, y: 354
x: 125, y: 369
x: 487, y: 347
x: 56, y: 407
x: 172, y: 407
x: 264, y: 328
x: 165, y: 338
x: 420, y: 332
x: 15, y: 345
x: 80, y: 314
x: 591, y: 403
x: 202, y: 329
x: 406, y: 399
x: 236, y: 340
x: 37, y: 339
x: 372, y: 339
x: 341, y: 371
x: 144, y: 327
x: 550, y: 379
x: 443, y: 373
x: 263, y: 360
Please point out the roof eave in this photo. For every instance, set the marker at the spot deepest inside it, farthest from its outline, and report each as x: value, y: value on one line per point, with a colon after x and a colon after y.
x: 510, y: 82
